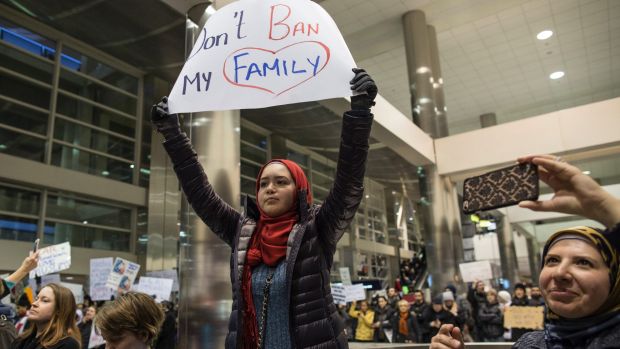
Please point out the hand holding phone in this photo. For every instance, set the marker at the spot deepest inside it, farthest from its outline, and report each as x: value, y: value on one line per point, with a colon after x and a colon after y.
x: 500, y: 188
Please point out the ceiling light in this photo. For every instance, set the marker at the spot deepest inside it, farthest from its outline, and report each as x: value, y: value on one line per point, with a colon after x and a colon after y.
x: 105, y: 173
x: 544, y: 35
x: 586, y: 172
x: 556, y: 75
x: 131, y: 166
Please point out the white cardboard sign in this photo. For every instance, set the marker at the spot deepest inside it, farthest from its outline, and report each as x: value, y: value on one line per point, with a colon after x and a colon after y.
x: 480, y: 270
x: 338, y: 292
x: 161, y: 288
x: 53, y: 259
x: 260, y: 53
x: 166, y: 274
x: 77, y: 290
x: 123, y: 275
x: 355, y: 292
x: 345, y: 276
x: 100, y: 269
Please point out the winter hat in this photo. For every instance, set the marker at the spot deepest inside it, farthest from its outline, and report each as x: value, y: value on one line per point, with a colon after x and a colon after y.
x: 447, y: 296
x: 452, y: 289
x: 438, y: 299
x: 503, y: 296
x: 520, y: 285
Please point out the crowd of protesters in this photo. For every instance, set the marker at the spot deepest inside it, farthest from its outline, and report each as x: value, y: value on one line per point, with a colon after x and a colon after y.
x: 53, y: 319
x: 392, y: 316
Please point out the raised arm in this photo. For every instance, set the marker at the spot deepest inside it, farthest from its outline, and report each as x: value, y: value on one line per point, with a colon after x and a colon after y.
x: 214, y: 211
x: 347, y: 191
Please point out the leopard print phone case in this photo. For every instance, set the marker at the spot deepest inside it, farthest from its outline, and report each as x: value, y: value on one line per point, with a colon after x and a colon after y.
x: 500, y: 188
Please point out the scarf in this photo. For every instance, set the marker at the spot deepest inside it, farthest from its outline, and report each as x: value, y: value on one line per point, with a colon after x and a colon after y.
x: 402, y: 323
x: 562, y: 333
x: 268, y: 245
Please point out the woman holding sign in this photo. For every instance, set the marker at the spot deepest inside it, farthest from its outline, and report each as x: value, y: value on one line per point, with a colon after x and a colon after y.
x: 580, y: 276
x: 282, y: 250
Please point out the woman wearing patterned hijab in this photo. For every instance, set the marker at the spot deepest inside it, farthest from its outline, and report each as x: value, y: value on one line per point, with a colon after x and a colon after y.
x: 580, y: 278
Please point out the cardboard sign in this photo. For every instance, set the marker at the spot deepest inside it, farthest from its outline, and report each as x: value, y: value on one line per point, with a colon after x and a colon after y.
x: 166, y: 274
x: 524, y: 317
x: 338, y: 292
x: 161, y: 288
x: 100, y: 269
x: 260, y: 53
x: 53, y: 259
x: 355, y: 292
x: 123, y: 275
x: 77, y: 290
x: 480, y: 270
x: 345, y: 276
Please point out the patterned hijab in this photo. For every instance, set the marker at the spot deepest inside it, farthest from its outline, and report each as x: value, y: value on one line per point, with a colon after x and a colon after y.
x: 565, y: 333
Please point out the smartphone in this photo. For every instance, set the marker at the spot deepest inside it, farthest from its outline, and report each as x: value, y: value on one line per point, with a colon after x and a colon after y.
x: 35, y: 246
x: 500, y: 188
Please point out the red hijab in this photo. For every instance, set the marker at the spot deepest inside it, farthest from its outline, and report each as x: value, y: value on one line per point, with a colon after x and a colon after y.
x: 269, y: 244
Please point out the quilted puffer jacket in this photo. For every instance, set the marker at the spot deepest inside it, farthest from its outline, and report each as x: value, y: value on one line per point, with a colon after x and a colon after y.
x: 314, y: 321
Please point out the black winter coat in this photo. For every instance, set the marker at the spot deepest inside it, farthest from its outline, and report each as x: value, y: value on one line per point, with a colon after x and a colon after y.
x: 490, y: 321
x: 311, y: 244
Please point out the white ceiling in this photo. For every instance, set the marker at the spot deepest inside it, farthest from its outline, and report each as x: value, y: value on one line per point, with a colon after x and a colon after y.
x: 490, y: 58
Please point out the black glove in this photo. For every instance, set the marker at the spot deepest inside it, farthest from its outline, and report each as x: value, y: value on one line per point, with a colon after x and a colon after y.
x: 165, y: 123
x: 364, y: 84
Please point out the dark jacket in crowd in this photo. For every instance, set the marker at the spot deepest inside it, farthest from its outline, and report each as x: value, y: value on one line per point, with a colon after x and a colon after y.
x: 168, y: 335
x: 536, y: 302
x: 419, y: 311
x: 414, y: 332
x: 31, y: 342
x: 490, y: 321
x: 85, y: 329
x: 444, y: 316
x: 382, y: 316
x: 311, y: 243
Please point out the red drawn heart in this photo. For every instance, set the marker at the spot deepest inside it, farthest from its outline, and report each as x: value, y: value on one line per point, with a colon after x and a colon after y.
x: 292, y: 82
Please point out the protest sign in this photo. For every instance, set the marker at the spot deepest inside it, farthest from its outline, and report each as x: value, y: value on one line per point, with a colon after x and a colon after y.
x: 77, y: 290
x: 53, y: 259
x: 355, y: 292
x: 166, y: 274
x: 524, y: 317
x: 100, y: 269
x: 472, y: 271
x: 95, y: 339
x: 338, y: 292
x: 160, y: 288
x: 260, y: 53
x: 123, y: 275
x: 49, y: 279
x: 345, y: 276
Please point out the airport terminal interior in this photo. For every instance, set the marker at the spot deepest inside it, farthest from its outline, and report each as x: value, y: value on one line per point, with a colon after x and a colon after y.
x: 465, y: 87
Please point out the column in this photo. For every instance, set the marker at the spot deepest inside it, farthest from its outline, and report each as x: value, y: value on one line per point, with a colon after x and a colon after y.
x: 534, y: 254
x: 206, y: 299
x: 437, y: 204
x: 441, y: 111
x: 507, y: 254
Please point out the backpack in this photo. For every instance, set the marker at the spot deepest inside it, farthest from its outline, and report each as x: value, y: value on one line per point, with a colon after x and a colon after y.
x: 7, y: 332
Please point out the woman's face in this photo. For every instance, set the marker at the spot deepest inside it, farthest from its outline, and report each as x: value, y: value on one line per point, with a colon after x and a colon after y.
x: 128, y: 340
x: 519, y: 293
x: 43, y: 307
x: 364, y: 306
x: 491, y: 298
x: 574, y: 279
x: 276, y: 190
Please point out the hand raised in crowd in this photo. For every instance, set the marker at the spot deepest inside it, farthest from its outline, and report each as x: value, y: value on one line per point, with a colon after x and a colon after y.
x: 366, y: 88
x: 29, y: 264
x: 574, y: 192
x: 448, y: 337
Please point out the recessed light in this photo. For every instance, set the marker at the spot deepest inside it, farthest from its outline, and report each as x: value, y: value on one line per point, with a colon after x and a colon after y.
x: 544, y: 35
x: 556, y: 75
x: 586, y: 172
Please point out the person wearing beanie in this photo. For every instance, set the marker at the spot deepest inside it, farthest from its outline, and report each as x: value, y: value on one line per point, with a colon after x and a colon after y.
x: 435, y: 316
x: 519, y: 299
x: 462, y: 310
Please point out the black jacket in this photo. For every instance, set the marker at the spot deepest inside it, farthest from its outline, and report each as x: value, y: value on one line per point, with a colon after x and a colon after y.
x: 413, y: 326
x: 311, y: 243
x: 490, y: 320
